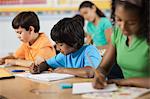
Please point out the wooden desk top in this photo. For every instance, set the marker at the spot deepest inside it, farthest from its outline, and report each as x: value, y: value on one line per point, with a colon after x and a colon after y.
x: 24, y: 88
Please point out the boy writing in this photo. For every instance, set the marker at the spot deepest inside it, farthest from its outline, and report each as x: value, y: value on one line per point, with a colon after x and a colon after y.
x: 74, y: 57
x: 35, y: 44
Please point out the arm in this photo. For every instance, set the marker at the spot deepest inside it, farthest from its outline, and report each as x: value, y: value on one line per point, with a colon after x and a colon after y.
x: 19, y: 62
x: 86, y: 72
x: 108, y: 33
x: 104, y: 68
x: 137, y: 82
x: 2, y: 60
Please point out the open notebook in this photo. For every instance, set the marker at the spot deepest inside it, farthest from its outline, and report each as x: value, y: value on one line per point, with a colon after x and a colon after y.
x: 45, y: 76
x: 4, y: 74
x: 86, y: 87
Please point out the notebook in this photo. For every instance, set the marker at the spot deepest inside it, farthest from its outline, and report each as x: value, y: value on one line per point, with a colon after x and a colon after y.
x: 86, y: 87
x: 45, y: 76
x: 4, y: 74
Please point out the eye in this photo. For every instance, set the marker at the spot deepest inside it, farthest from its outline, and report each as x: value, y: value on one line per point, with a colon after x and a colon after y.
x: 18, y: 32
x: 118, y: 19
x: 61, y: 45
x: 131, y: 23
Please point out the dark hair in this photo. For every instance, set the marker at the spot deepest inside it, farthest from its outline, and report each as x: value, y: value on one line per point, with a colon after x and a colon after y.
x: 25, y: 20
x: 68, y: 31
x: 79, y: 18
x: 90, y: 5
x: 141, y: 8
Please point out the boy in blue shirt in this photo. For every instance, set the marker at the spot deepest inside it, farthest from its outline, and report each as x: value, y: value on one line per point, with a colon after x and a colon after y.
x: 74, y: 57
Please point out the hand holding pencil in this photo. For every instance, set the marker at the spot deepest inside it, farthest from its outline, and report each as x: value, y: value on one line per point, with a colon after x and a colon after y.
x: 99, y: 81
x: 35, y: 67
x: 39, y: 65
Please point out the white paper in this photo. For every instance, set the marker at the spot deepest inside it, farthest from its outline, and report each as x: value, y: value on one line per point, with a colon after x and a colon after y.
x: 80, y: 88
x: 45, y: 76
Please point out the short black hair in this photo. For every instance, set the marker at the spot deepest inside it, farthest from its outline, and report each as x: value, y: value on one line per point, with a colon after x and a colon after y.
x: 25, y: 20
x: 68, y: 31
x: 79, y: 18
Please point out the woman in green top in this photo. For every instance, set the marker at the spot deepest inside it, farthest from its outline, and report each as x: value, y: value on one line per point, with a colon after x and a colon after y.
x: 99, y: 28
x: 130, y: 45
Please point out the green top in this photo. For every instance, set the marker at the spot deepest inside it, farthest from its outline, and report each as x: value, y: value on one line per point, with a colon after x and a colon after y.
x: 134, y: 60
x: 98, y: 32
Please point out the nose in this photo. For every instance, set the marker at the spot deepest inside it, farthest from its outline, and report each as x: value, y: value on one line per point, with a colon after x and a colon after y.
x: 18, y: 36
x: 57, y: 48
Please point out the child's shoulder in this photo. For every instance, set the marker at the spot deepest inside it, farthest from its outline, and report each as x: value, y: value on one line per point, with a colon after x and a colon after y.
x: 89, y: 47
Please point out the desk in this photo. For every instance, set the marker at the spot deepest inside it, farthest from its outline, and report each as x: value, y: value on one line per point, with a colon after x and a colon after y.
x: 24, y: 88
x: 21, y: 88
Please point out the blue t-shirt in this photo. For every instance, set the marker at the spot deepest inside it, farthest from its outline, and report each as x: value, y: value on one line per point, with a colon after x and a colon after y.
x: 87, y: 55
x: 98, y: 32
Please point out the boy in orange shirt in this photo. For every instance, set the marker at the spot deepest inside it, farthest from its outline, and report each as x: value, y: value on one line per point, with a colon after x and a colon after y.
x: 35, y: 44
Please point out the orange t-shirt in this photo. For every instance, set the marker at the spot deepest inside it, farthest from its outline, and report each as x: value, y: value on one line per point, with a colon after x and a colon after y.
x: 42, y: 47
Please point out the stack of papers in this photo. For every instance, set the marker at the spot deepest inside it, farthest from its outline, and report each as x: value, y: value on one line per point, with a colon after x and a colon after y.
x: 80, y: 88
x: 45, y: 76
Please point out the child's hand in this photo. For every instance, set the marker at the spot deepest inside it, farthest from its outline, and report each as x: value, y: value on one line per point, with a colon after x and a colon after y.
x: 50, y: 70
x: 10, y: 61
x: 34, y: 69
x: 99, y: 80
x: 120, y: 82
x: 60, y: 70
x: 2, y: 61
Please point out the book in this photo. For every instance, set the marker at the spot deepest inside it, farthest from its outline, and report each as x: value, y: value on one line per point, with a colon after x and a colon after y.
x: 86, y: 87
x: 4, y: 74
x: 45, y: 76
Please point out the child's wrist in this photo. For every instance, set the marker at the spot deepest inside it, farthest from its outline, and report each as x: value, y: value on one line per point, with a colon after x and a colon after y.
x: 102, y: 71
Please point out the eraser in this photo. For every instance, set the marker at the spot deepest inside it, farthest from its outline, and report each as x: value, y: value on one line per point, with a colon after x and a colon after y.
x: 65, y: 85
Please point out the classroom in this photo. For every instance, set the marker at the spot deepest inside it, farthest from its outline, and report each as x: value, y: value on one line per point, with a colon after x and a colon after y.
x: 74, y: 49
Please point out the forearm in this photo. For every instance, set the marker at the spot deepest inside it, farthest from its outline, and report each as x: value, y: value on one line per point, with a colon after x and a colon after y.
x: 18, y: 62
x: 108, y: 60
x: 25, y: 63
x: 139, y: 82
x: 80, y: 72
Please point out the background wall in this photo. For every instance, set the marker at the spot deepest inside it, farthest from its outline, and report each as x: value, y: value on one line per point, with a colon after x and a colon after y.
x: 49, y: 13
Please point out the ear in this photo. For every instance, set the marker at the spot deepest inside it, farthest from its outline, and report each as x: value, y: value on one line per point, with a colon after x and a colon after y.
x: 31, y: 29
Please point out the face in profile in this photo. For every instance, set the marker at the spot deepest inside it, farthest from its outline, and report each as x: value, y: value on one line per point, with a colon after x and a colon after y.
x: 88, y: 13
x: 24, y: 35
x: 64, y: 48
x: 127, y: 20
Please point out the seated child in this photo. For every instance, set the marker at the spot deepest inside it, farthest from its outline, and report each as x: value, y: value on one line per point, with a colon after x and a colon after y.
x: 74, y: 57
x: 34, y: 44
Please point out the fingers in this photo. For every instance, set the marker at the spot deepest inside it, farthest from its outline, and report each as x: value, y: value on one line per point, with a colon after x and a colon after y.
x: 99, y: 80
x: 50, y: 70
x: 34, y: 69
